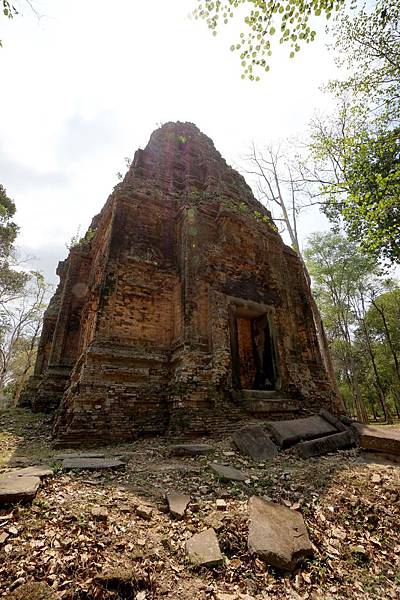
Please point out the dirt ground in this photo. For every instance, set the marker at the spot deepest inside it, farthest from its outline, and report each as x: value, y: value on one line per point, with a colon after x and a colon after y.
x: 352, y: 511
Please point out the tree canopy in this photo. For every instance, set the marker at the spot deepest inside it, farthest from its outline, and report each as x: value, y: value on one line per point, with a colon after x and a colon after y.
x: 357, y: 149
x: 267, y: 22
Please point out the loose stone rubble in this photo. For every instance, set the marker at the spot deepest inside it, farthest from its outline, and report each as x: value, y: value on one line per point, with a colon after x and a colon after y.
x: 288, y: 433
x: 376, y: 439
x: 40, y: 471
x: 177, y: 504
x: 18, y: 489
x: 190, y: 449
x: 254, y: 442
x: 277, y: 534
x: 92, y: 464
x: 203, y: 549
x: 323, y: 445
x: 227, y: 472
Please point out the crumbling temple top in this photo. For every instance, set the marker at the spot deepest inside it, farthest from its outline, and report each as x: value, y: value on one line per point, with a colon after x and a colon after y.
x: 181, y: 308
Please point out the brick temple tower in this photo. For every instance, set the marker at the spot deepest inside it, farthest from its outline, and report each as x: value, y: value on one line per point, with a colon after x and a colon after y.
x: 181, y: 307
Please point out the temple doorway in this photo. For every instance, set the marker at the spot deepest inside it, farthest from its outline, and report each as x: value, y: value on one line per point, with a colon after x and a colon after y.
x: 254, y: 365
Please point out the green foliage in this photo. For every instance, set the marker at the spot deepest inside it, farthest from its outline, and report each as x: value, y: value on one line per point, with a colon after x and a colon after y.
x: 347, y: 286
x: 78, y: 241
x: 267, y: 21
x: 358, y: 150
x: 12, y: 281
x: 8, y: 9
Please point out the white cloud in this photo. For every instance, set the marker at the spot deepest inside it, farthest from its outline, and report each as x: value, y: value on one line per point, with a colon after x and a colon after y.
x: 87, y: 84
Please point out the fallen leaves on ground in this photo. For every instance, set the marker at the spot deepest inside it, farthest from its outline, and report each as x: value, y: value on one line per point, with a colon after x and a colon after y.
x: 132, y: 548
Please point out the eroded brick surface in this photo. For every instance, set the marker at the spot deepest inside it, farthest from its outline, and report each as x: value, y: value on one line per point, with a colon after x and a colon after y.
x: 142, y: 334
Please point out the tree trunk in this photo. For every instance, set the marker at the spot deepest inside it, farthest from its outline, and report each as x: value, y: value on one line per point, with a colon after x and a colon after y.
x: 381, y: 394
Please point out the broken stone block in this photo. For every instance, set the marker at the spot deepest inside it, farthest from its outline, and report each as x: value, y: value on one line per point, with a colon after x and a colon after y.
x: 99, y: 513
x: 277, y: 534
x: 288, y: 433
x: 378, y: 439
x: 190, y: 449
x: 18, y: 489
x: 3, y: 537
x: 254, y: 442
x: 92, y: 464
x: 226, y: 472
x: 203, y: 549
x: 79, y: 455
x: 329, y: 443
x: 145, y: 512
x: 220, y: 504
x: 35, y: 471
x: 177, y: 504
x: 325, y: 414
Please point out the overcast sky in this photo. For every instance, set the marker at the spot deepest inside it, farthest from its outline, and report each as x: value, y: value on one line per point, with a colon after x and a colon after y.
x: 86, y: 84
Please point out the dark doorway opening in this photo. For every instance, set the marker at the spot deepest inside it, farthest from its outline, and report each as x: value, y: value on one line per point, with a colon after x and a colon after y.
x: 254, y: 364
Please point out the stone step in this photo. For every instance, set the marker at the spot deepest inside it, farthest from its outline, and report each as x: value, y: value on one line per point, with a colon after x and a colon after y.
x: 260, y: 394
x: 271, y: 407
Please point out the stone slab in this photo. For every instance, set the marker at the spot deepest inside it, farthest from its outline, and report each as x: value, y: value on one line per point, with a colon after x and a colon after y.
x: 190, y: 449
x: 40, y: 471
x: 92, y: 464
x: 18, y: 489
x: 277, y: 535
x: 254, y: 442
x: 329, y: 443
x: 203, y: 549
x: 288, y: 433
x: 79, y: 455
x: 226, y: 472
x: 378, y: 439
x: 177, y: 504
x: 325, y: 414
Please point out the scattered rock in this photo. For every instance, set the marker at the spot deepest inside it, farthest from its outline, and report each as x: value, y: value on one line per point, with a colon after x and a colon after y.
x: 378, y: 439
x: 177, y: 504
x: 254, y: 442
x: 220, y: 504
x: 226, y: 472
x: 79, y: 455
x: 376, y: 478
x: 3, y: 537
x: 166, y: 467
x: 40, y: 471
x: 99, y: 513
x: 145, y: 512
x: 329, y: 443
x: 190, y: 449
x: 203, y: 549
x: 13, y: 530
x: 219, y: 596
x: 18, y: 489
x: 288, y: 433
x: 325, y: 414
x: 277, y: 534
x: 92, y: 464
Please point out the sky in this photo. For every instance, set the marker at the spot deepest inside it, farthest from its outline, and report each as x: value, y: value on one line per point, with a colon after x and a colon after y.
x: 84, y: 84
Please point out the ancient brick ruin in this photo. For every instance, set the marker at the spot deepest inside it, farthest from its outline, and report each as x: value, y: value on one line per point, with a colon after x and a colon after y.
x: 181, y: 309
